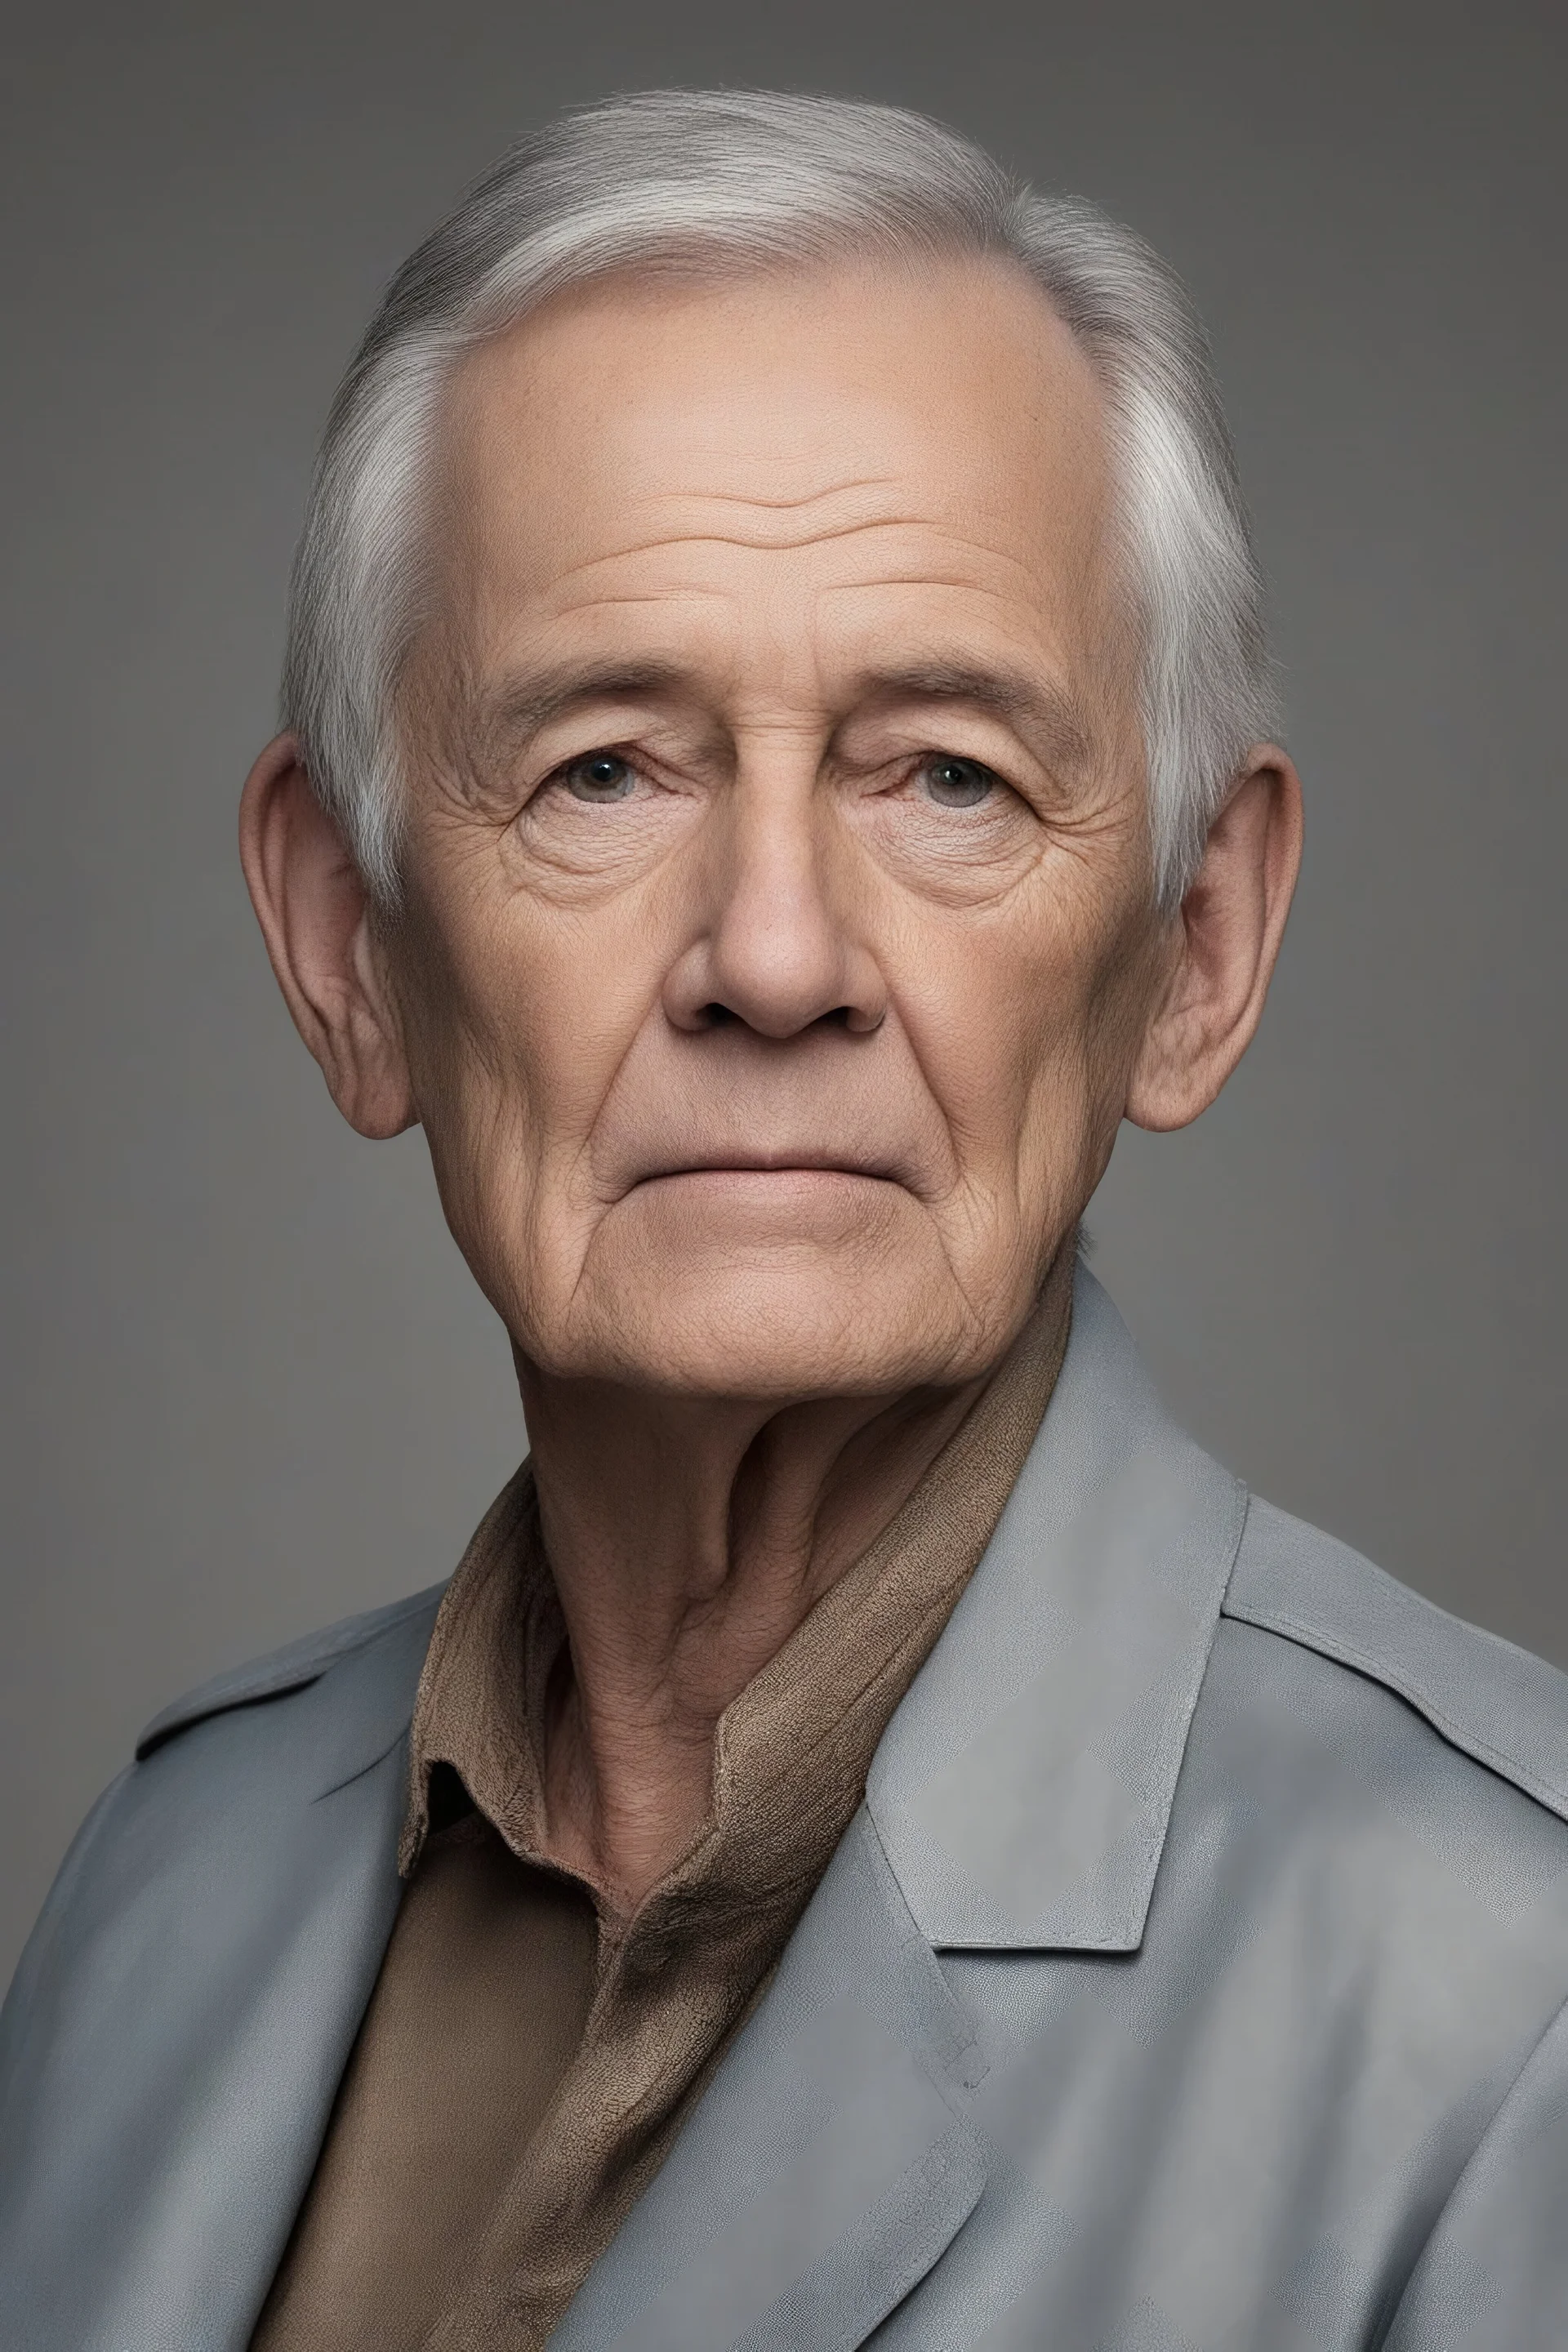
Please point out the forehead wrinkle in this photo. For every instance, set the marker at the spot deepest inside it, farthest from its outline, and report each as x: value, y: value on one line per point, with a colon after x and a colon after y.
x: 1026, y: 583
x: 772, y: 544
x: 779, y: 505
x: 572, y: 589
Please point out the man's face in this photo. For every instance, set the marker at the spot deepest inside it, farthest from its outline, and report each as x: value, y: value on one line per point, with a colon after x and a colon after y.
x: 778, y: 930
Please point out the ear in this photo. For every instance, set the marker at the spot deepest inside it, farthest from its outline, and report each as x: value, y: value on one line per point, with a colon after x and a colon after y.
x: 316, y: 916
x: 1230, y: 925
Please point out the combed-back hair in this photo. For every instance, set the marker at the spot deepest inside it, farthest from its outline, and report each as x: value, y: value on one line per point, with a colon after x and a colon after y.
x: 721, y: 182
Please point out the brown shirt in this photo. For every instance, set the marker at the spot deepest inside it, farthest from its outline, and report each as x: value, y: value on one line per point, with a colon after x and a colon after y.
x: 525, y: 2062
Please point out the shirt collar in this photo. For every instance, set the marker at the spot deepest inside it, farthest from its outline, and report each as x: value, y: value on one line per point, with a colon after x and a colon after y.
x: 792, y: 1749
x: 1023, y: 1790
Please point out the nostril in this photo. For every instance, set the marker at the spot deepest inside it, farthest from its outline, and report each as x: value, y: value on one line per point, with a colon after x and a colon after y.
x: 714, y: 1016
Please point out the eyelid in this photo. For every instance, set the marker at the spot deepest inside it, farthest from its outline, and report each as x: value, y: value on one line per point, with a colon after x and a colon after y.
x: 560, y: 769
x: 961, y: 760
x: 997, y: 776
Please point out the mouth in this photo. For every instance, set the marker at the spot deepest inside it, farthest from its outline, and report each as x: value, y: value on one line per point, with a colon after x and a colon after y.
x: 763, y: 1168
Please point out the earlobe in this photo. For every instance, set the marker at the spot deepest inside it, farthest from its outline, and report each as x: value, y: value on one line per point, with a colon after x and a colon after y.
x: 1232, y: 922
x: 317, y: 921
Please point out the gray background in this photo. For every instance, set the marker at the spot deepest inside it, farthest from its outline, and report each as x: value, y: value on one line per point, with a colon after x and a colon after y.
x: 249, y: 1385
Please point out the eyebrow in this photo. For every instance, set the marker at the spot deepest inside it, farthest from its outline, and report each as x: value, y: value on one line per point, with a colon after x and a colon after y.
x: 1041, y: 711
x: 527, y: 705
x: 1037, y: 707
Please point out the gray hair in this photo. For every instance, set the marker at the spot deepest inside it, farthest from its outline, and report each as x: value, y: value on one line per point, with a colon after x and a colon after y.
x: 700, y: 181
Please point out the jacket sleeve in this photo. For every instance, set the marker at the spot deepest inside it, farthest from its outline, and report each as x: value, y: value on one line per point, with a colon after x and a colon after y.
x: 1493, y: 2275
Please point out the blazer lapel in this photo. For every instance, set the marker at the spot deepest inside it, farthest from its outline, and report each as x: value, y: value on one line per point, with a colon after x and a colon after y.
x: 829, y: 2163
x: 1023, y: 1791
x: 164, y: 2168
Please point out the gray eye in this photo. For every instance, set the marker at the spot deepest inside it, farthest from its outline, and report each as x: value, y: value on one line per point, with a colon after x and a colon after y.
x: 602, y: 776
x: 957, y: 783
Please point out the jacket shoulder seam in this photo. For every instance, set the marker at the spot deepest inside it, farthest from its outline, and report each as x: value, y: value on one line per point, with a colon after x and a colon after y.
x: 1406, y: 1687
x: 1315, y: 1630
x: 279, y: 1671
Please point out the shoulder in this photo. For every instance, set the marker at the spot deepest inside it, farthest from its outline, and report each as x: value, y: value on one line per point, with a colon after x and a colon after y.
x: 1489, y: 1701
x: 294, y: 1667
x: 221, y: 1815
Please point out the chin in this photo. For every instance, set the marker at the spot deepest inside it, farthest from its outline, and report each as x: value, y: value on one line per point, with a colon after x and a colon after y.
x: 788, y: 1326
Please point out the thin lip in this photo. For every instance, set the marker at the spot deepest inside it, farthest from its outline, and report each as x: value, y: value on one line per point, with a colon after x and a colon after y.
x: 783, y: 1163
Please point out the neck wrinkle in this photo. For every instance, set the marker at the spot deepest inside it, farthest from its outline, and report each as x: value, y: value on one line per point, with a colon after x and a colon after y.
x: 818, y: 1703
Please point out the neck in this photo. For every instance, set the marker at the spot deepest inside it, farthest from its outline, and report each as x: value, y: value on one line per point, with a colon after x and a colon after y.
x: 688, y: 1541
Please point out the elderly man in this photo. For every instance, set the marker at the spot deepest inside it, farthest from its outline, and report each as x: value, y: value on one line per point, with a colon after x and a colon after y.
x: 880, y: 1838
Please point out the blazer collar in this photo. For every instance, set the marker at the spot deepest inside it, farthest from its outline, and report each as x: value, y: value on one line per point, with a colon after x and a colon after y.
x: 1023, y: 1791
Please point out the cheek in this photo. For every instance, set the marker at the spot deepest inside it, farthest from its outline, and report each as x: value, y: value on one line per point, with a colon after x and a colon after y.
x: 1022, y: 1025
x: 1080, y: 1082
x: 475, y: 1091
x: 515, y: 1036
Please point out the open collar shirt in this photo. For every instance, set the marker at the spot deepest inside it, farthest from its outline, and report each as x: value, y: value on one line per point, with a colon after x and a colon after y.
x: 528, y: 2057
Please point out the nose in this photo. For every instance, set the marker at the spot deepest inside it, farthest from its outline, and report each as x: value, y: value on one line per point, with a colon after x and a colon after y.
x: 775, y: 949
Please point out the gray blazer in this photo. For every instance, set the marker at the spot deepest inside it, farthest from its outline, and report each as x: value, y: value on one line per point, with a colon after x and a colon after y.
x: 1190, y: 1976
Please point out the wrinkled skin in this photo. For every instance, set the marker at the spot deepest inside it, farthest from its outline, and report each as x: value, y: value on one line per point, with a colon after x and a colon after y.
x: 778, y: 953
